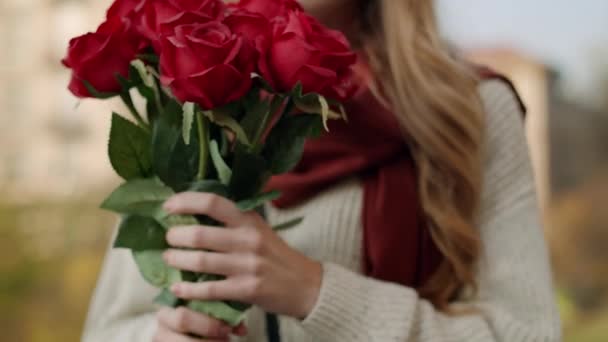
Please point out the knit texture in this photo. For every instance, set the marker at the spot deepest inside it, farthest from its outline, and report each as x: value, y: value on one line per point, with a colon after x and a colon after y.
x: 515, y: 300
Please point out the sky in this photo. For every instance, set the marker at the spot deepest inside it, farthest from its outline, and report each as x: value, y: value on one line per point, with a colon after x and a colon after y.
x: 570, y: 35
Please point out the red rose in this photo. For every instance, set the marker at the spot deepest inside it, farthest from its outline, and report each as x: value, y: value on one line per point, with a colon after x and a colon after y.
x: 253, y: 26
x: 156, y: 17
x: 304, y: 51
x: 269, y: 8
x: 121, y: 9
x: 206, y: 64
x: 98, y: 57
x: 119, y: 16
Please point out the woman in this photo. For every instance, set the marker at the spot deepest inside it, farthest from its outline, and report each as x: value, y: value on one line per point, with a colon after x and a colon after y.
x: 421, y: 222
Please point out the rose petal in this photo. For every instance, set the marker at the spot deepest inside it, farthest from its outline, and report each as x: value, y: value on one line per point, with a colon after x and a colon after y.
x: 178, y: 61
x: 299, y: 23
x: 344, y: 88
x: 288, y: 54
x: 314, y: 78
x: 78, y: 88
x: 337, y: 61
x: 250, y: 25
x: 215, y: 87
x: 120, y: 8
x: 85, y: 47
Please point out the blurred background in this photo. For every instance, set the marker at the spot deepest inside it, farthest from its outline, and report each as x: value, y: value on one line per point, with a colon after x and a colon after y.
x: 54, y: 171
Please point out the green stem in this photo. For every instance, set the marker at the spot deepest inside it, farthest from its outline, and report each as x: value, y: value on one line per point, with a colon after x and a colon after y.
x: 266, y: 120
x: 288, y: 107
x: 157, y: 94
x: 126, y: 98
x: 202, y: 124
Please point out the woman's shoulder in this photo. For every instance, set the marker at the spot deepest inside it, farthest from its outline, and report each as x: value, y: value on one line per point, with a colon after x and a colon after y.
x: 507, y: 164
x: 503, y: 107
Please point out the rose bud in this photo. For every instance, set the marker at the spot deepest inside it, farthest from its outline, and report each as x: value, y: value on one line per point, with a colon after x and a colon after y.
x: 304, y: 51
x: 98, y: 57
x: 207, y: 64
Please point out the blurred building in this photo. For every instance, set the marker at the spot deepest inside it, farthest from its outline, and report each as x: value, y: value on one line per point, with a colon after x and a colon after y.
x: 532, y: 81
x: 568, y: 139
x: 579, y: 144
x: 51, y: 143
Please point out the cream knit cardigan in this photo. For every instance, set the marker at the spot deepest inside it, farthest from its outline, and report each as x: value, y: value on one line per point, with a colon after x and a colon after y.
x: 515, y: 300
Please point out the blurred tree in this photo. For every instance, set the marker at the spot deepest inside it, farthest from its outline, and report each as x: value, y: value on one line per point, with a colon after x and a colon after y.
x: 578, y: 239
x: 50, y: 254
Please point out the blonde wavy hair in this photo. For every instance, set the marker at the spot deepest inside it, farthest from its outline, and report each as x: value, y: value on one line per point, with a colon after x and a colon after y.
x: 436, y: 100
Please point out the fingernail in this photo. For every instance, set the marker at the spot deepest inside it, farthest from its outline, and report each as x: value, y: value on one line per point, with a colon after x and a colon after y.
x: 175, y: 288
x: 168, y: 205
x: 166, y: 256
x: 168, y: 234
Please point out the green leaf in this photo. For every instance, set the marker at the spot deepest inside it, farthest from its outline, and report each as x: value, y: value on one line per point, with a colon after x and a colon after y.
x: 297, y: 90
x: 225, y: 120
x: 255, y: 121
x: 145, y: 76
x: 255, y: 202
x: 97, y: 94
x: 140, y: 233
x: 285, y: 143
x: 288, y: 224
x: 209, y: 185
x: 188, y: 119
x: 154, y: 270
x: 126, y: 84
x: 249, y: 173
x: 223, y: 170
x: 152, y: 109
x: 147, y: 93
x: 337, y: 104
x: 129, y: 149
x: 169, y: 221
x: 143, y: 197
x: 219, y: 310
x: 167, y: 298
x: 260, y: 82
x: 174, y: 162
x: 316, y: 104
x: 142, y: 78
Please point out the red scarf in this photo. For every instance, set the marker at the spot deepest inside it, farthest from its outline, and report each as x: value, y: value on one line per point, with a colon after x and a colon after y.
x: 397, y: 247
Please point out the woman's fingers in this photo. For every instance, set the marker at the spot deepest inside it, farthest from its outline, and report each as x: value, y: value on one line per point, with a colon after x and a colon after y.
x: 207, y: 262
x: 212, y: 205
x: 243, y: 289
x: 164, y: 334
x: 206, y: 237
x: 184, y: 321
x: 240, y: 330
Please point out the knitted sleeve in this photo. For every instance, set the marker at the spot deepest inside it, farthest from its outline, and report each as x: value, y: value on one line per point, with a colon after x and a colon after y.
x: 121, y: 309
x: 515, y: 299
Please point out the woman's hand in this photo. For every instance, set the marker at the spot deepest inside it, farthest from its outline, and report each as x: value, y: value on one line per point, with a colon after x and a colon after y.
x: 260, y: 268
x: 174, y: 325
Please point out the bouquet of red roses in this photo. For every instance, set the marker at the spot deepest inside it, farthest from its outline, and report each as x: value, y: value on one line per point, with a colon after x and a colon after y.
x: 231, y: 94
